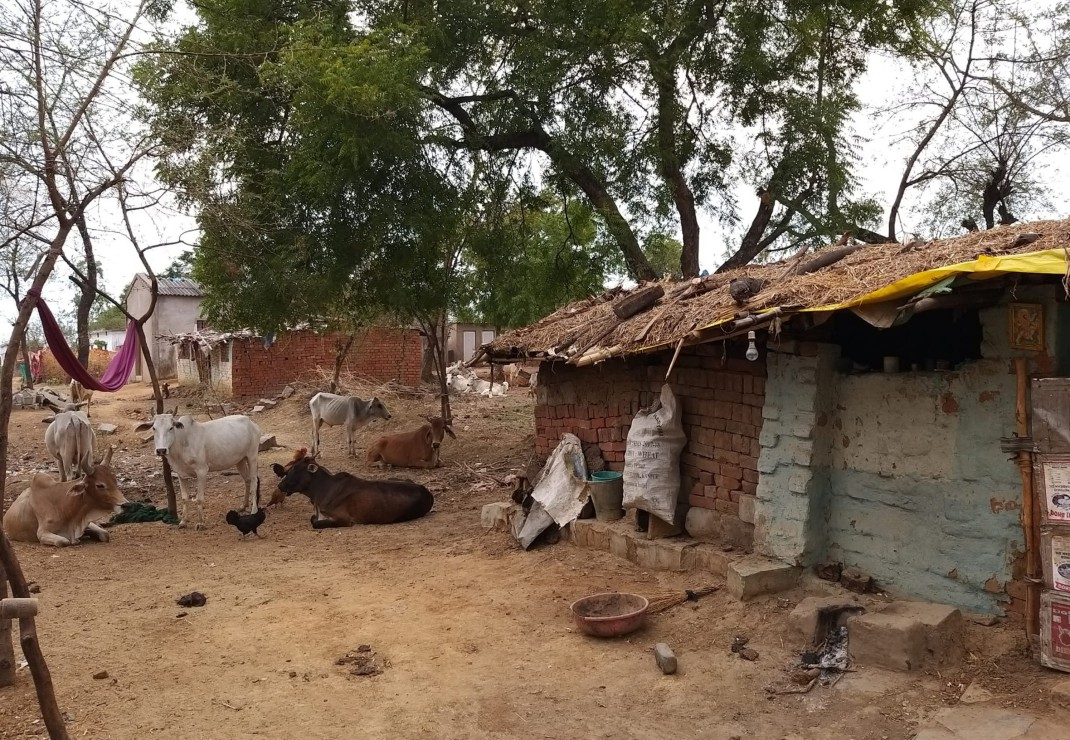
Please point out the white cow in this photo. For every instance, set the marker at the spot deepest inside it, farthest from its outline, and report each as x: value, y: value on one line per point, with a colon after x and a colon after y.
x: 196, y: 448
x: 336, y: 411
x: 498, y: 389
x: 457, y: 384
x: 69, y: 439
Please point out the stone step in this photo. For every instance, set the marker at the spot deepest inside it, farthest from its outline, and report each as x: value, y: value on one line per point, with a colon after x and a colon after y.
x: 908, y: 636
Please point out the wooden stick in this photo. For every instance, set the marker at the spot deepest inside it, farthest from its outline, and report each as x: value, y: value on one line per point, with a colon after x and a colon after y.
x: 7, y: 649
x: 1025, y: 468
x: 18, y: 608
x: 42, y: 680
x: 31, y: 649
x: 676, y: 354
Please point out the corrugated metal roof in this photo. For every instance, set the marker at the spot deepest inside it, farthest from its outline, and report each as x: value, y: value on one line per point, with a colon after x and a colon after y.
x: 177, y: 286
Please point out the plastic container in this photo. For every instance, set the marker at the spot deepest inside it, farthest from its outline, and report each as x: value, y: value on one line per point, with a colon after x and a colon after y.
x: 607, y: 493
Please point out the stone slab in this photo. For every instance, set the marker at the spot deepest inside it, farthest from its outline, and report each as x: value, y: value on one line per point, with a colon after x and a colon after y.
x: 107, y: 428
x: 977, y: 721
x: 708, y: 558
x: 267, y: 442
x: 908, y: 636
x: 754, y: 575
x: 803, y: 620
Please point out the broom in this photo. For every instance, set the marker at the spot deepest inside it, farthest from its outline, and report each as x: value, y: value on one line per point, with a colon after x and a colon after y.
x: 665, y: 601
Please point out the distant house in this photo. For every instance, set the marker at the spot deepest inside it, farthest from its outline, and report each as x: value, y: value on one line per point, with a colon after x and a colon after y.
x: 178, y: 311
x: 464, y: 339
x: 111, y: 339
x: 246, y: 365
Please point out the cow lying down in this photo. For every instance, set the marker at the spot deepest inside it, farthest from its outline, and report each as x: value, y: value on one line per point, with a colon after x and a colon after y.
x: 342, y: 500
x: 58, y: 513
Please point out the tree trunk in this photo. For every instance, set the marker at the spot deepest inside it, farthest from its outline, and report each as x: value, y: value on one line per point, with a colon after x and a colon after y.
x: 39, y: 669
x: 89, y: 293
x: 427, y: 362
x: 673, y: 174
x: 7, y: 649
x: 341, y: 352
x: 157, y: 392
x: 752, y: 244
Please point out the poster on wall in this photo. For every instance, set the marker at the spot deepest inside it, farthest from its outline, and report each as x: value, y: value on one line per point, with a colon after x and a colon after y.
x: 1055, y: 485
x: 1055, y: 555
x: 1027, y: 326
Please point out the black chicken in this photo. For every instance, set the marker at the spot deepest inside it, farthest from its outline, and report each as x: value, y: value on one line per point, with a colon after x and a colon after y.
x: 246, y: 523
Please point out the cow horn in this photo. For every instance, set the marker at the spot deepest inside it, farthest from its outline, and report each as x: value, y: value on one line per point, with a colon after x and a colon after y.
x: 174, y: 412
x: 107, y: 456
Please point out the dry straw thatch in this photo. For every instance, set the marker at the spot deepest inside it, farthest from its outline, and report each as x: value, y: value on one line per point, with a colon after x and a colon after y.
x: 583, y: 326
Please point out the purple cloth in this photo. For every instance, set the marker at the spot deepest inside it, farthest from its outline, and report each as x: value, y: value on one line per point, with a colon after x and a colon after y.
x: 119, y: 368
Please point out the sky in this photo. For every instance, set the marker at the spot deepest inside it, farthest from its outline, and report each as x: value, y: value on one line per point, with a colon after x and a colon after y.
x: 885, y: 83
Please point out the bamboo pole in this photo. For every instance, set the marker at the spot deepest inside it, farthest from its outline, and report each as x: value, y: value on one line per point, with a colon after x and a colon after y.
x: 1029, y: 523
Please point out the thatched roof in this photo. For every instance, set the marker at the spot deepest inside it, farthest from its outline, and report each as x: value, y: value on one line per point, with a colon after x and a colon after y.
x: 703, y: 309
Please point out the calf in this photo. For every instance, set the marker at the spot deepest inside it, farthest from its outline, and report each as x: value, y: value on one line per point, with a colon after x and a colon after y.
x: 79, y: 394
x: 342, y: 500
x: 60, y: 513
x: 332, y: 410
x: 69, y: 439
x: 416, y: 449
x: 196, y: 448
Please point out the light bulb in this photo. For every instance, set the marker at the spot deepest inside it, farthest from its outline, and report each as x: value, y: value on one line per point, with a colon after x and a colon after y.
x: 752, y: 350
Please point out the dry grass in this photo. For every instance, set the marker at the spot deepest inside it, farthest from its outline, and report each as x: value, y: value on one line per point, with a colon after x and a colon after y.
x: 575, y: 327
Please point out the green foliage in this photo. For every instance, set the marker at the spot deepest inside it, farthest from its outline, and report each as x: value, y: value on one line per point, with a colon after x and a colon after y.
x: 106, y: 317
x: 663, y: 252
x: 541, y: 255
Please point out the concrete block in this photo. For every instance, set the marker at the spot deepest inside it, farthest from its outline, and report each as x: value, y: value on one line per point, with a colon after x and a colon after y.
x: 770, y: 412
x: 908, y: 636
x: 746, y: 508
x: 709, y: 558
x: 754, y: 575
x: 663, y: 554
x: 267, y: 442
x: 800, y: 480
x: 768, y: 462
x: 591, y: 534
x: 107, y: 428
x: 806, y: 616
x: 621, y: 545
x: 497, y: 516
x: 768, y: 438
x: 257, y: 409
x: 665, y: 658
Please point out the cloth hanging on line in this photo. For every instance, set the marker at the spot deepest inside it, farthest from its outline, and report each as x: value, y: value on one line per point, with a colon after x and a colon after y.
x: 118, y: 370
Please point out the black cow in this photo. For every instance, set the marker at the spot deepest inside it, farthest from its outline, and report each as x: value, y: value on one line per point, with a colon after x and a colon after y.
x: 342, y: 500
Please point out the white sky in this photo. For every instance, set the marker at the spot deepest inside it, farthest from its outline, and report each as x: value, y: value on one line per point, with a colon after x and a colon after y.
x: 883, y: 154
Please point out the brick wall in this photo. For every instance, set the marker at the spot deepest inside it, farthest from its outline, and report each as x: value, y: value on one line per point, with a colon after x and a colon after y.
x: 380, y: 354
x: 721, y: 398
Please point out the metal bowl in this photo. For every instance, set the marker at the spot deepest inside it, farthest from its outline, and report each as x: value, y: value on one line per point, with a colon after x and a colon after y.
x: 609, y: 614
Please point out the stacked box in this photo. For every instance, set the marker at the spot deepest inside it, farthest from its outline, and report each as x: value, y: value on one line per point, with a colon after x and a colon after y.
x: 1055, y: 630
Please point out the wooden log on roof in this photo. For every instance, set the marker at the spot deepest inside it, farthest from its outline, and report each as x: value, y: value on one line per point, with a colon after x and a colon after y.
x: 825, y: 259
x: 638, y: 301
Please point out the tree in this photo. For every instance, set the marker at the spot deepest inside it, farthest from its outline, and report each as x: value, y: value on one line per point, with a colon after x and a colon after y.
x: 62, y: 148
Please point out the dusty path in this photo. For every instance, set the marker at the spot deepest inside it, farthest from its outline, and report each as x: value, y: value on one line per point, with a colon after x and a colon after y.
x: 473, y: 636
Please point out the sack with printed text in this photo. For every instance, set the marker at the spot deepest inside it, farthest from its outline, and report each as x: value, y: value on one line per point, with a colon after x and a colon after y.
x: 652, y: 458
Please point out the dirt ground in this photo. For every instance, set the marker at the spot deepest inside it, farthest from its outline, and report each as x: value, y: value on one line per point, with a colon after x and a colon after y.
x: 473, y: 636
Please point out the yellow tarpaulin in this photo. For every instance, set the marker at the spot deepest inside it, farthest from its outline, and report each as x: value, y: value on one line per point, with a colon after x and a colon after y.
x: 1048, y: 262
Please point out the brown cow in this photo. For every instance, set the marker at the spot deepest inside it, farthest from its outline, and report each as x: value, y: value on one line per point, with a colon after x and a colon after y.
x: 416, y: 449
x: 342, y: 500
x: 59, y: 513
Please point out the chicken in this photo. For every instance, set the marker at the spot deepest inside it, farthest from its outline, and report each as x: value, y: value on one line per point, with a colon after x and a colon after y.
x: 246, y: 523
